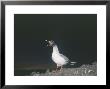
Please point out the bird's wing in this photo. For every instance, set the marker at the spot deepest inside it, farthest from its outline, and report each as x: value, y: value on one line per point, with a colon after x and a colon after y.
x: 64, y: 57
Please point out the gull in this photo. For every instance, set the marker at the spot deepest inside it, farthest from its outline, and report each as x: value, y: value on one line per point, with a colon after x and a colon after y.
x: 57, y: 57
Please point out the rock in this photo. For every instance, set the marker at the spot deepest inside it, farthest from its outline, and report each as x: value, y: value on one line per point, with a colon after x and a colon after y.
x: 84, y: 70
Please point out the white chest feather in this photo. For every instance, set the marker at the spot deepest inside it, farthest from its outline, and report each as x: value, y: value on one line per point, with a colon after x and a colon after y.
x: 56, y: 57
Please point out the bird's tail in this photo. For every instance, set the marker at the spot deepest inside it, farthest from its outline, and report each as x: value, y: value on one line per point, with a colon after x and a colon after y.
x: 72, y: 63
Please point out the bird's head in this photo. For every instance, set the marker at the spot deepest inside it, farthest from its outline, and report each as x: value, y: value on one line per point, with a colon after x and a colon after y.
x: 51, y: 43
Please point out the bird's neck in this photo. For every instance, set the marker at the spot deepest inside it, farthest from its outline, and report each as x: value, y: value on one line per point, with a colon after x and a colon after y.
x: 55, y: 49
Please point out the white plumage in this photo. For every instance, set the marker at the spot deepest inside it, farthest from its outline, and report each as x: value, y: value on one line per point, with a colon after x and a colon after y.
x: 57, y: 57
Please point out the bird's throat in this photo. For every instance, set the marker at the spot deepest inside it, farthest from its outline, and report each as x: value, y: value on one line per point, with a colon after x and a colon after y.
x: 55, y: 49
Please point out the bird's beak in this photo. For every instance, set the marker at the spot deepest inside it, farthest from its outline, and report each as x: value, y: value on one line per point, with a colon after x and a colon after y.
x: 47, y: 42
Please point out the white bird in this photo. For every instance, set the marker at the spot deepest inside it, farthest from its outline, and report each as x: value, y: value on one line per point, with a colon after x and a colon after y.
x: 57, y: 57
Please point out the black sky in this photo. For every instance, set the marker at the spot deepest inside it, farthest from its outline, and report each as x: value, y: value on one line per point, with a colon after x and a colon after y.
x: 75, y: 35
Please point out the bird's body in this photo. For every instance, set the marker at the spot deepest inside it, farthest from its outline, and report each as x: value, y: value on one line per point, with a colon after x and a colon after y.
x: 57, y: 57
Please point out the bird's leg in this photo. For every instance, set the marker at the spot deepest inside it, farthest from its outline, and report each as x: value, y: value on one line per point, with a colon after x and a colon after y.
x: 61, y: 68
x: 57, y: 68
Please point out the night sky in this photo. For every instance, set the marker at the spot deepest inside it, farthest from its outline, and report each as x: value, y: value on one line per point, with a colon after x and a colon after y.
x: 75, y: 35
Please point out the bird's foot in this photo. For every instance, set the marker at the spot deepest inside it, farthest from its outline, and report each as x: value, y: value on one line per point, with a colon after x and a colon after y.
x: 58, y: 69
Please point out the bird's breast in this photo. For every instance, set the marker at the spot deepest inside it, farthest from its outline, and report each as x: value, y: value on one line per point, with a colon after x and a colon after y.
x: 55, y: 55
x: 57, y: 58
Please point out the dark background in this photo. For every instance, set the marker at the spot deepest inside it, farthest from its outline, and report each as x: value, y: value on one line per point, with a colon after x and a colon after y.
x: 75, y: 35
x: 32, y: 87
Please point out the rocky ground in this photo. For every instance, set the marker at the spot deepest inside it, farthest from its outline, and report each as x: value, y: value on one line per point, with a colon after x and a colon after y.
x: 84, y: 70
